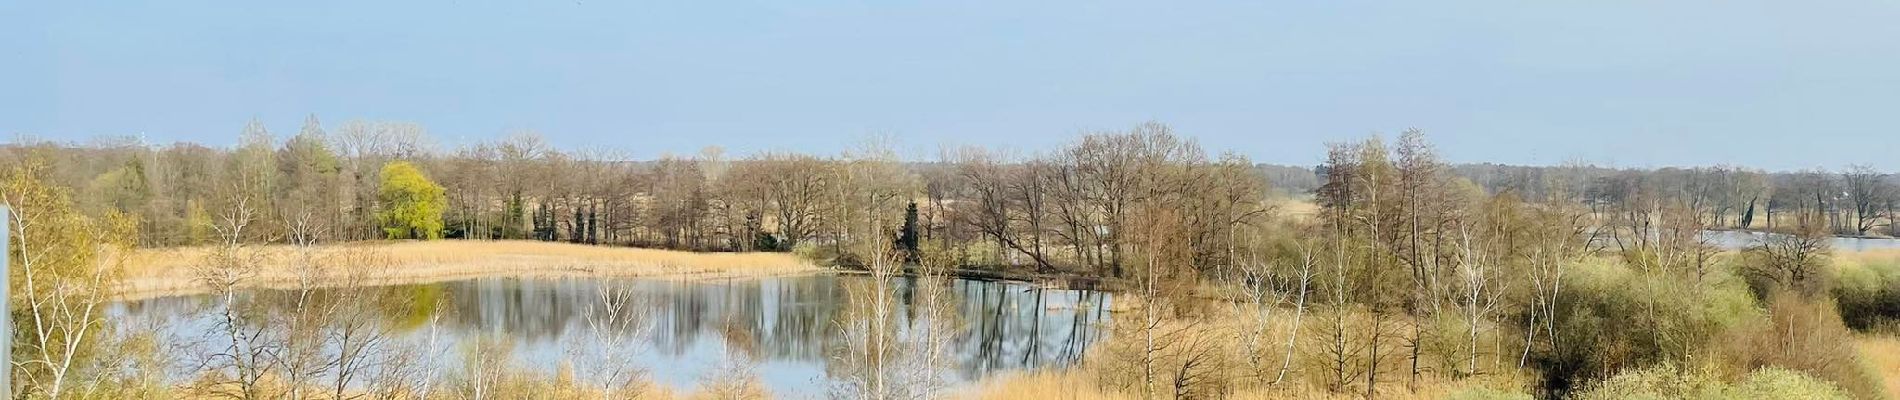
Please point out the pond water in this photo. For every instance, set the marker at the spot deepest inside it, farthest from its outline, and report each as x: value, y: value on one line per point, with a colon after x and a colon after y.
x: 687, y: 330
x: 1743, y: 239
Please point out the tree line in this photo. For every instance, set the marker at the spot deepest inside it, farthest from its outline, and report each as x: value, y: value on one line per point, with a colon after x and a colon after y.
x: 1061, y: 209
x: 1407, y: 270
x: 1064, y: 210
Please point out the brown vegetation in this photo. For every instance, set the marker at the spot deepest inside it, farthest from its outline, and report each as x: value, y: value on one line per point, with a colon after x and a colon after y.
x: 1883, y: 355
x: 166, y: 271
x: 1405, y: 276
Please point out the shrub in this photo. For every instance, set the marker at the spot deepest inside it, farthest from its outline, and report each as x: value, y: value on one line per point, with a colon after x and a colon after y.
x: 1868, y: 294
x: 1667, y: 382
x: 1777, y: 383
x: 1190, y: 359
x: 1800, y: 334
x: 1797, y: 262
x: 816, y: 253
x: 1487, y: 394
x: 1613, y: 318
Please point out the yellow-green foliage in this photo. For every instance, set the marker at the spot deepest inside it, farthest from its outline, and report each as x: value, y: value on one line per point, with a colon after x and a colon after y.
x: 813, y: 252
x: 412, y: 204
x: 1487, y: 394
x: 1869, y: 291
x: 62, y: 265
x: 1612, y: 317
x: 1668, y: 382
x: 197, y: 223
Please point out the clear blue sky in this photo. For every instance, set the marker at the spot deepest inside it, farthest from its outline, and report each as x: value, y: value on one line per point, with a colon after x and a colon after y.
x: 1775, y: 85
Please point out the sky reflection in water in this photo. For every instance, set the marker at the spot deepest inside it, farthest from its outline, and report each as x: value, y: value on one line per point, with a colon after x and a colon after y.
x: 788, y: 323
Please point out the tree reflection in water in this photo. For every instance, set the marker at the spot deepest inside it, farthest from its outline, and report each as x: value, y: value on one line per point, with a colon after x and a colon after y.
x: 683, y: 330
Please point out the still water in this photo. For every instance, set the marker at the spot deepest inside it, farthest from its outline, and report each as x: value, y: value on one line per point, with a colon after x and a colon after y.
x: 789, y: 325
x: 1744, y: 239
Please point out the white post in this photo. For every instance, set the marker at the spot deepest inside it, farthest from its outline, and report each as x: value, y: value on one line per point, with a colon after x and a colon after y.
x: 6, y: 300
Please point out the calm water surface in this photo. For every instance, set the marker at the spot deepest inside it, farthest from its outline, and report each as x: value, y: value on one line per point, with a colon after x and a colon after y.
x: 1744, y: 239
x: 790, y: 325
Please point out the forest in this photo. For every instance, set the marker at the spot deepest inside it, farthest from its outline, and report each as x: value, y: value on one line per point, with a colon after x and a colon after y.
x: 1381, y: 271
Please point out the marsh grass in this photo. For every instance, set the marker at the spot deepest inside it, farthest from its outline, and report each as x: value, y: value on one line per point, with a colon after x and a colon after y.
x: 1848, y: 259
x: 1882, y: 353
x: 1110, y: 370
x: 1666, y: 381
x: 167, y: 271
x: 1804, y: 336
x: 1078, y: 384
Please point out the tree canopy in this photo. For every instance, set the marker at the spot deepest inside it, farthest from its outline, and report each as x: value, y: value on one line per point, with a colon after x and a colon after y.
x: 412, y: 204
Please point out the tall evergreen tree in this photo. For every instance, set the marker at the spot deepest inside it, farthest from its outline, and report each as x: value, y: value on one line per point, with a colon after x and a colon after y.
x: 907, y: 236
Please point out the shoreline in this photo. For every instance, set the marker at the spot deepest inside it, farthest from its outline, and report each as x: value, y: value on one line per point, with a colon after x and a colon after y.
x: 1761, y: 231
x: 164, y: 272
x: 1044, y: 280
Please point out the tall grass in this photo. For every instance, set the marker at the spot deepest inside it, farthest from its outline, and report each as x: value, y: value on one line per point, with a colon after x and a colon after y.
x: 1882, y: 353
x: 1112, y: 368
x: 1078, y: 384
x: 166, y: 271
x: 1803, y: 335
x: 1668, y: 382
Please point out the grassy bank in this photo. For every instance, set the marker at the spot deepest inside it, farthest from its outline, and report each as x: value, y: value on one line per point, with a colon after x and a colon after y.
x: 1078, y: 385
x: 1883, y: 354
x: 1864, y: 364
x: 171, y: 271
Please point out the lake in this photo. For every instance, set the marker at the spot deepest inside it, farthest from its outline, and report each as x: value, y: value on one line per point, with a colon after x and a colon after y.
x: 686, y: 331
x: 1733, y: 239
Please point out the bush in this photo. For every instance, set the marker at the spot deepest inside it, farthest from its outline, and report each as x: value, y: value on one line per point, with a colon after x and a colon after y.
x: 1805, y: 335
x: 1868, y: 294
x: 1613, y: 318
x: 1190, y: 359
x: 1668, y: 382
x: 1797, y: 262
x: 1777, y: 383
x: 1488, y: 394
x: 816, y: 253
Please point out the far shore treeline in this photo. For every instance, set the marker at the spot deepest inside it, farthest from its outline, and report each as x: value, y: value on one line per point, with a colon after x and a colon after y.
x: 1381, y: 271
x: 1059, y: 208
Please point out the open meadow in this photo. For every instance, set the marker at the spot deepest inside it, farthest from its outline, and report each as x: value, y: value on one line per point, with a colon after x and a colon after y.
x: 175, y: 271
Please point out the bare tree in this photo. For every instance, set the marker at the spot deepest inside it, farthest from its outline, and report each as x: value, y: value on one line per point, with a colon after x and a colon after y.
x: 357, y: 336
x: 617, y: 321
x: 1869, y: 192
x: 1479, y: 294
x: 233, y: 264
x: 796, y: 185
x: 297, y: 340
x: 1794, y: 261
x: 1005, y: 205
x: 1560, y: 234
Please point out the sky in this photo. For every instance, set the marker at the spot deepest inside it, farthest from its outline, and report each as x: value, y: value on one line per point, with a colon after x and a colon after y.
x: 1767, y: 84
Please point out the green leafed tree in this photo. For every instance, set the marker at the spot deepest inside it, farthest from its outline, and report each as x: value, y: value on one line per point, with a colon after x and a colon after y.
x: 412, y: 204
x: 62, y: 266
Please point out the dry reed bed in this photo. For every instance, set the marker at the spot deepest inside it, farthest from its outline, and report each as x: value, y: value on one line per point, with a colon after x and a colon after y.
x: 172, y: 271
x: 1883, y: 353
x: 1074, y: 384
x: 1864, y: 257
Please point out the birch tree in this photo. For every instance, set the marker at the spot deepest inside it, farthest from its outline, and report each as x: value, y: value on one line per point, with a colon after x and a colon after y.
x: 66, y: 266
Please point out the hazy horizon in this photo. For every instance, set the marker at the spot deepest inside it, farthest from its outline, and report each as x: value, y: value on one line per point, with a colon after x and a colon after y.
x: 1628, y: 84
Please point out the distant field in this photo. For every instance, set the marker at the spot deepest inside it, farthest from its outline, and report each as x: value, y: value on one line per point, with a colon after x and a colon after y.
x: 1297, y: 208
x: 1847, y: 258
x: 169, y: 271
